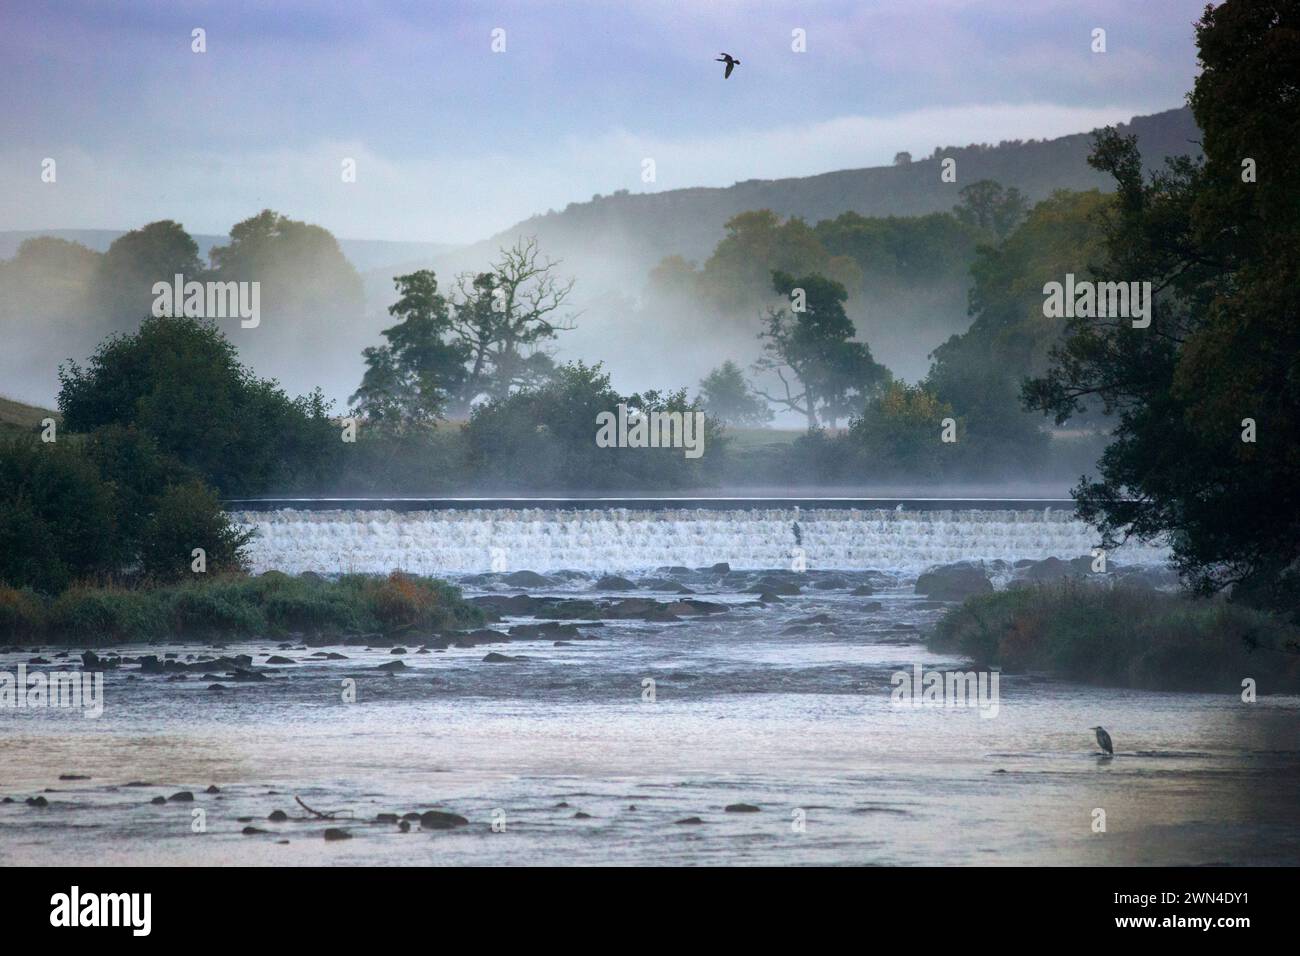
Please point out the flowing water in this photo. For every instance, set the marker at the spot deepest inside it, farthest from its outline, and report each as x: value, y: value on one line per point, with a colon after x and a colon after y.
x: 783, y: 706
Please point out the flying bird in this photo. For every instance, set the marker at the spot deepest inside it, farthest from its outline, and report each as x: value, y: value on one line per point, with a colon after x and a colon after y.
x: 731, y: 62
x: 1103, y: 740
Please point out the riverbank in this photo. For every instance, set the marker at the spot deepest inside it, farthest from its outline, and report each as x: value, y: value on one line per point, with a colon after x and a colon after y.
x: 1124, y: 637
x: 237, y: 607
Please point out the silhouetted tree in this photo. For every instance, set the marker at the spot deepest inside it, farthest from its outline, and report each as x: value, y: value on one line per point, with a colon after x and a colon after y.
x: 824, y: 374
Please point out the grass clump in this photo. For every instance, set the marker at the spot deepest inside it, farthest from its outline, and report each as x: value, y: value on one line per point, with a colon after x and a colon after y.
x: 235, y: 607
x: 1125, y: 637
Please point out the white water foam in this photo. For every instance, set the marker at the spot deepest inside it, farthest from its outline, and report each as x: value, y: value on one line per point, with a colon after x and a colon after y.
x: 616, y: 539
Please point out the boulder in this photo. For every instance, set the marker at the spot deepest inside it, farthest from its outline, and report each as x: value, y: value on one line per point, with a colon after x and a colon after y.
x: 612, y: 582
x: 954, y: 582
x: 441, y: 820
x: 526, y: 579
x: 774, y: 586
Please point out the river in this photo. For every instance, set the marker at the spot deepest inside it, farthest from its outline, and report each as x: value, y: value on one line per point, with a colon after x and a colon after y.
x: 594, y: 749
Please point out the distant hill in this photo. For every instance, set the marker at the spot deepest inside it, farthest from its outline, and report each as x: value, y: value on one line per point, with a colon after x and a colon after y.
x: 21, y: 417
x: 364, y: 254
x: 611, y: 243
x: 639, y: 229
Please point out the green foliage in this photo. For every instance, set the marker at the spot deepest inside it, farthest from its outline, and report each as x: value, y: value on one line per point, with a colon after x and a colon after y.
x: 737, y: 276
x: 865, y: 254
x: 1124, y: 636
x: 59, y: 520
x: 1224, y: 338
x: 449, y: 353
x: 22, y: 614
x: 138, y: 472
x: 986, y: 206
x: 108, y: 615
x: 545, y: 438
x: 106, y: 506
x: 238, y: 607
x: 308, y: 285
x: 727, y: 397
x: 178, y: 380
x: 409, y: 382
x: 156, y: 252
x: 186, y: 517
x: 896, y: 252
x: 898, y: 434
x: 823, y: 373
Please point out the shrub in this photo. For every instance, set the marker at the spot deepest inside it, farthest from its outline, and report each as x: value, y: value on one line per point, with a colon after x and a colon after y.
x: 186, y: 517
x: 1125, y: 636
x: 58, y: 520
x: 213, y: 609
x: 107, y: 615
x: 22, y: 614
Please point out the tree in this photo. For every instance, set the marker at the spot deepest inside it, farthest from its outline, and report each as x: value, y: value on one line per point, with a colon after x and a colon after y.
x: 59, y: 519
x: 503, y: 318
x: 178, y: 380
x: 1218, y: 245
x: 979, y: 372
x: 153, y: 253
x: 189, y: 516
x: 409, y: 382
x: 985, y: 205
x: 903, y: 158
x: 899, y: 431
x: 138, y: 472
x: 544, y: 438
x: 727, y: 397
x: 311, y: 301
x: 737, y: 276
x: 823, y: 373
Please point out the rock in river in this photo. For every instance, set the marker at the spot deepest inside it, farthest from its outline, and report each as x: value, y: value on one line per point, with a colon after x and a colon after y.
x: 954, y: 582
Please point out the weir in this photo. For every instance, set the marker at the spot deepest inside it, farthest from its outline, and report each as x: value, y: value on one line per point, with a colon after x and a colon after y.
x: 628, y: 539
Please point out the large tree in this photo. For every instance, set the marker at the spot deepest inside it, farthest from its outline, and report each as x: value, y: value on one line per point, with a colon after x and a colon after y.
x: 409, y: 382
x: 986, y: 206
x: 1219, y: 240
x: 178, y: 380
x: 486, y: 341
x: 824, y: 374
x: 504, y: 318
x: 727, y: 397
x: 156, y: 252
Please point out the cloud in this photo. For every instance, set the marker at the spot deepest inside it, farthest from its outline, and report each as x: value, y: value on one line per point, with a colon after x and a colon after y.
x: 456, y: 198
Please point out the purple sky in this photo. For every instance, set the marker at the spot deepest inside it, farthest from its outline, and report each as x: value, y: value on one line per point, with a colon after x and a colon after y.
x: 453, y: 141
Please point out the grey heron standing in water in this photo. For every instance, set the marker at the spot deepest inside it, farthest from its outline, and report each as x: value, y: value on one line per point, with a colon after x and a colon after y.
x: 1103, y: 740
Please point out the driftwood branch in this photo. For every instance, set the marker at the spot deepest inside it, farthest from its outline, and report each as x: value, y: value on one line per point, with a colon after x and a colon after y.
x: 319, y: 814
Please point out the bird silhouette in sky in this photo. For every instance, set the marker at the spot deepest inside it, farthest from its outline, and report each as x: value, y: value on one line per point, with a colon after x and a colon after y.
x: 731, y: 62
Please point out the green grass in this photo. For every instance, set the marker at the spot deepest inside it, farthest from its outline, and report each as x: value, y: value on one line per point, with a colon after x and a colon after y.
x: 1125, y: 637
x: 747, y: 439
x: 18, y: 416
x: 237, y: 607
x: 13, y: 412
